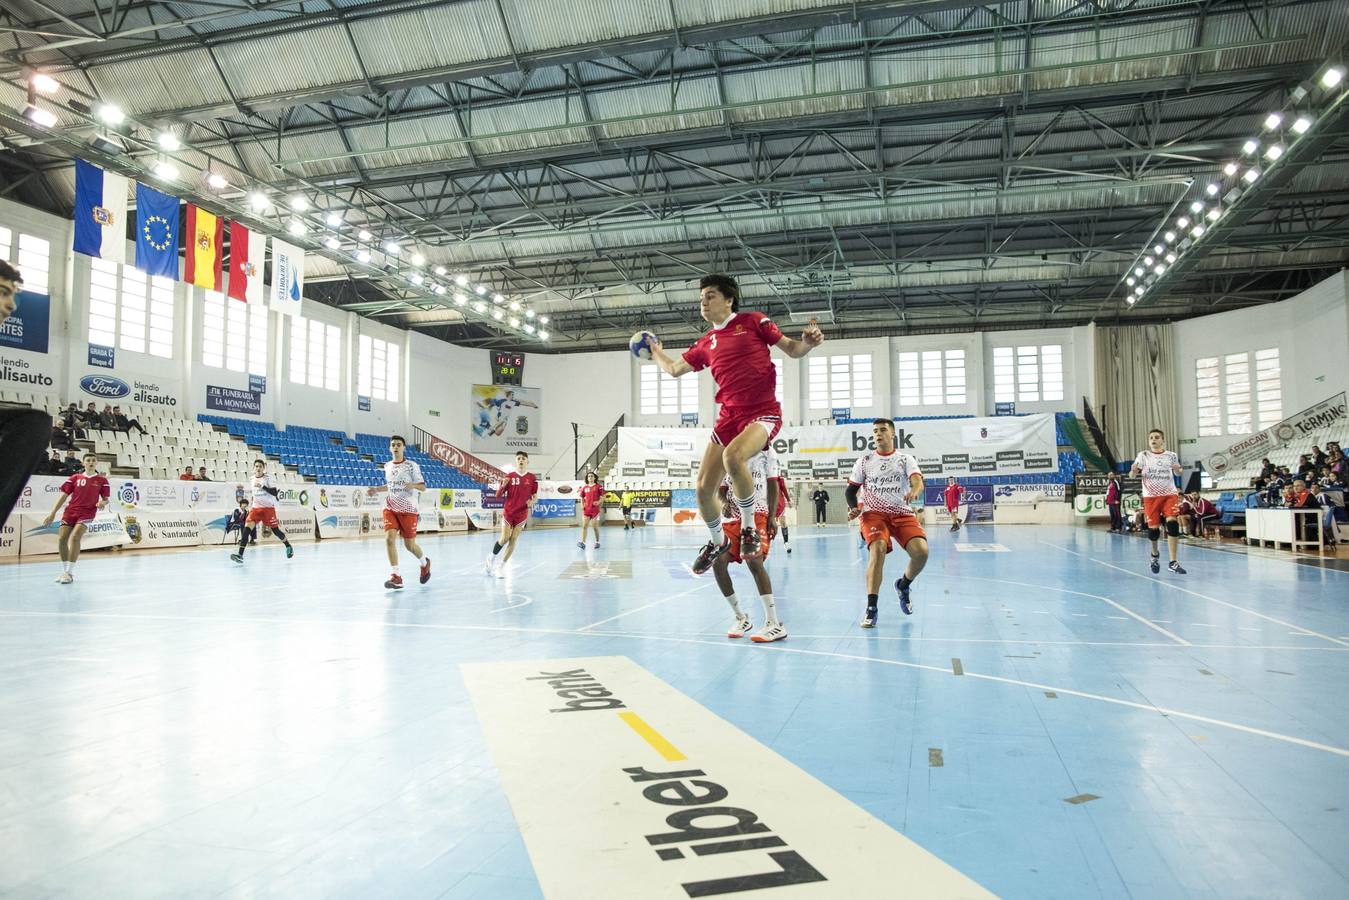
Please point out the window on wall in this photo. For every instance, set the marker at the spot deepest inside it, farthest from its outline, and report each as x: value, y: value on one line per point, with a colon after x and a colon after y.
x: 835, y: 381
x: 1268, y: 387
x: 233, y: 334
x: 130, y: 310
x: 379, y: 370
x: 1210, y: 405
x: 34, y: 263
x: 662, y: 395
x: 778, y: 391
x: 6, y: 241
x: 931, y: 377
x: 1028, y: 374
x: 1237, y: 392
x: 315, y: 353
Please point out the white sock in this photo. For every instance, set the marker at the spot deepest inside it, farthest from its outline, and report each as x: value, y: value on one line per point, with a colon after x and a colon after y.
x: 735, y: 605
x: 395, y: 568
x: 746, y: 511
x: 421, y: 560
x: 67, y: 566
x: 714, y: 529
x: 769, y: 610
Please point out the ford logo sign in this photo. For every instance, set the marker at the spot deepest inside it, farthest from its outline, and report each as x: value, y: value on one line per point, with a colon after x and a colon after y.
x: 104, y: 386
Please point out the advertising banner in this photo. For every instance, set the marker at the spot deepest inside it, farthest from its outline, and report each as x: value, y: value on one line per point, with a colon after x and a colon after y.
x: 560, y: 490
x: 650, y: 499
x: 972, y: 446
x: 163, y: 529
x: 298, y: 524
x: 554, y: 509
x: 211, y: 528
x: 1086, y: 505
x: 348, y: 523
x: 1028, y: 493
x: 9, y: 536
x: 470, y: 465
x: 232, y: 400
x: 1295, y: 428
x: 1091, y: 483
x: 19, y: 374
x: 26, y: 328
x: 340, y: 497
x: 453, y: 520
x: 484, y: 519
x: 105, y: 531
x: 977, y: 501
x: 428, y: 521
x: 505, y: 418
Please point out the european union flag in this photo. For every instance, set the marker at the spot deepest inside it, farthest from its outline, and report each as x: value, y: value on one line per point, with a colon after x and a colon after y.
x: 156, y: 232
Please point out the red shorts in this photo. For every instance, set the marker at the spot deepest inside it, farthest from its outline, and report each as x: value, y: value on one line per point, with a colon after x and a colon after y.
x: 402, y: 522
x: 953, y: 509
x: 879, y: 526
x: 1158, y: 508
x: 73, y: 517
x: 590, y: 512
x: 731, y: 422
x: 264, y: 514
x: 732, y: 529
x: 515, y: 517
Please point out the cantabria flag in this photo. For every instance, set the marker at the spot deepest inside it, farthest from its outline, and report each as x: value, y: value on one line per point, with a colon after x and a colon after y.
x: 100, y: 212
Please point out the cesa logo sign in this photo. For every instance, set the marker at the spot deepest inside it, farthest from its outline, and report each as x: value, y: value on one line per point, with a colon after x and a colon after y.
x: 104, y: 386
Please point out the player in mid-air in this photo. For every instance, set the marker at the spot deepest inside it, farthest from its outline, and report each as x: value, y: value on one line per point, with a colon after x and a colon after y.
x: 262, y: 509
x: 1159, y: 467
x: 749, y: 415
x: 889, y: 482
x: 765, y: 499
x: 519, y: 489
x: 592, y: 493
x: 784, y: 500
x: 402, y: 481
x: 88, y: 492
x: 953, y: 494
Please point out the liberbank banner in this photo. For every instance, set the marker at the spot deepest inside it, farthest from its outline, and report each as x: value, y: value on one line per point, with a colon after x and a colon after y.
x: 1008, y: 445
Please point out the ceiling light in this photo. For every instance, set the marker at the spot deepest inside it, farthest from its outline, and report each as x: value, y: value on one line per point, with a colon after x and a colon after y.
x: 543, y: 335
x: 363, y: 255
x: 296, y: 227
x: 1138, y: 270
x: 461, y: 280
x: 418, y: 259
x: 529, y: 314
x: 497, y: 298
x: 1131, y: 281
x: 1170, y: 257
x: 1272, y: 121
x: 1197, y: 231
x: 529, y: 329
x: 1159, y: 249
x: 166, y: 170
x: 515, y: 304
x: 1214, y: 213
x: 1251, y: 175
x: 331, y: 242
x: 514, y: 323
x: 1301, y: 124
x: 1196, y: 207
x: 460, y: 299
x: 1147, y: 260
x: 169, y: 141
x: 479, y: 306
x: 1212, y: 189
x: 416, y: 278
x: 1169, y: 236
x: 543, y: 320
x: 497, y: 314
x: 1130, y: 300
x: 1332, y: 76
x: 439, y: 289
x: 299, y: 203
x: 392, y: 248
x: 39, y: 116
x: 44, y: 84
x: 258, y: 201
x: 1250, y: 147
x: 334, y: 219
x: 1231, y: 169
x: 1274, y: 152
x: 480, y: 290
x: 363, y: 235
x: 440, y: 270
x: 216, y: 181
x: 1160, y: 269
x: 110, y: 114
x: 1182, y: 222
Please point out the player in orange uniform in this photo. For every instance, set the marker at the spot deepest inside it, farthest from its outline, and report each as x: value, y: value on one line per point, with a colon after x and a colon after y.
x: 402, y: 480
x: 263, y: 510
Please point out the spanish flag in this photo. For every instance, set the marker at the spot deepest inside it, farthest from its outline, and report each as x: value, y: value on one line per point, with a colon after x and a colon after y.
x: 204, y: 233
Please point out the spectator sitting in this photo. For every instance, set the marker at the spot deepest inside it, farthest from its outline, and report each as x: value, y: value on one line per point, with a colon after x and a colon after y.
x: 1331, y: 499
x: 1304, y: 465
x: 61, y: 438
x: 1299, y: 497
x: 239, y: 518
x: 1266, y: 468
x: 201, y: 474
x: 187, y: 474
x: 71, y: 465
x: 1318, y: 456
x: 123, y: 423
x: 89, y: 418
x: 106, y: 420
x: 52, y: 466
x: 72, y: 420
x: 1205, y: 514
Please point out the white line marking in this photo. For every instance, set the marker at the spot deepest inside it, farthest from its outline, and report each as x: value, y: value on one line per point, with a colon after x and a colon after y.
x: 629, y: 612
x: 1247, y: 628
x: 1121, y: 618
x: 1081, y: 615
x: 1196, y: 594
x: 1202, y: 625
x: 1041, y: 612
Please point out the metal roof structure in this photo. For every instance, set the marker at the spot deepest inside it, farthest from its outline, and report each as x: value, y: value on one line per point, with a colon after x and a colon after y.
x: 888, y: 166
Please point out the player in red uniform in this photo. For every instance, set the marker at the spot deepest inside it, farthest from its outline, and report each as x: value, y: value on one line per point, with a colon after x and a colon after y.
x: 591, y: 496
x: 784, y: 500
x: 402, y: 480
x: 953, y: 494
x: 889, y: 482
x: 737, y: 351
x: 519, y: 488
x: 87, y: 492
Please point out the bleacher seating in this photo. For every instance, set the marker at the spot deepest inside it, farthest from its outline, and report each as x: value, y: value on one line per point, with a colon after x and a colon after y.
x: 1240, y: 476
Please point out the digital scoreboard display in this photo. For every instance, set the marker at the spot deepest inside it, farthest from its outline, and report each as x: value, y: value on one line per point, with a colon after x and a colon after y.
x: 508, y: 368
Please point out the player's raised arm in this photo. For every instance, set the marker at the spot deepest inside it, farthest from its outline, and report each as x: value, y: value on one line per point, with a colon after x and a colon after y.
x: 672, y: 366
x: 811, y: 338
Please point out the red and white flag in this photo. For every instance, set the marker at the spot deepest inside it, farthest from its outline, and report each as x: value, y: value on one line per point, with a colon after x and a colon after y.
x: 248, y: 253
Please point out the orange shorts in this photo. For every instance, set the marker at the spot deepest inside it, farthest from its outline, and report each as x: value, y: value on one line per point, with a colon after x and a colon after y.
x: 732, y: 530
x: 264, y: 514
x: 1157, y: 508
x: 403, y: 523
x: 878, y: 526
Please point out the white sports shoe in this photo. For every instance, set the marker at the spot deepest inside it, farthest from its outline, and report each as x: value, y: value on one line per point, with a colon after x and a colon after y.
x: 65, y: 578
x: 775, y: 631
x: 741, y: 626
x: 490, y: 566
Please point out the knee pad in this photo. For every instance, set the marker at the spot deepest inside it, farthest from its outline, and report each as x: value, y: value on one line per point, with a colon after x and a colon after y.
x: 1172, y: 528
x: 1154, y: 533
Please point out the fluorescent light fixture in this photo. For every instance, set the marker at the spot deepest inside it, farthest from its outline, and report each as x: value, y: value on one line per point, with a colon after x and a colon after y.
x: 169, y: 141
x: 1272, y: 121
x: 418, y: 259
x: 460, y: 299
x: 461, y: 280
x: 258, y: 201
x: 216, y: 181
x: 1212, y: 189
x: 1231, y: 169
x: 1197, y: 231
x: 479, y: 306
x: 1169, y: 236
x: 514, y: 322
x: 1148, y: 260
x: 333, y: 219
x: 1251, y: 175
x: 331, y: 242
x: 44, y: 84
x: 1130, y: 300
x: 529, y: 329
x: 1159, y: 249
x: 392, y: 248
x: 515, y: 304
x: 439, y: 289
x: 1301, y: 124
x: 110, y: 114
x: 166, y: 170
x: 498, y: 314
x: 363, y: 255
x: 480, y: 290
x: 497, y: 298
x: 1250, y: 147
x: 1138, y: 270
x: 1182, y: 222
x: 1131, y: 281
x: 1214, y: 213
x: 299, y: 203
x: 1161, y: 269
x: 1274, y: 152
x: 529, y: 314
x: 296, y: 227
x: 543, y: 320
x: 363, y: 235
x: 39, y: 116
x: 1196, y: 207
x: 1170, y: 257
x: 440, y: 270
x: 1332, y: 77
x: 543, y: 335
x: 416, y: 278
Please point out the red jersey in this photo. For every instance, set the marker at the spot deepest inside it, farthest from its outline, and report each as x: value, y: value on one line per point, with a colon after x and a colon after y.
x: 85, y: 491
x: 517, y: 489
x: 953, y: 494
x: 591, y: 494
x: 737, y: 352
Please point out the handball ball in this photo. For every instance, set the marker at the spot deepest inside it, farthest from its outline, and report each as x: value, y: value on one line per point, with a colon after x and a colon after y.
x: 640, y: 344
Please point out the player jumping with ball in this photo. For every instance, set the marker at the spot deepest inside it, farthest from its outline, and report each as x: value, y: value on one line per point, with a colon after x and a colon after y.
x: 737, y: 351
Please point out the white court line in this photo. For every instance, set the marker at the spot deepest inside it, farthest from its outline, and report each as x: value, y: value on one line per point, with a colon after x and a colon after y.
x: 1171, y: 584
x: 1124, y: 609
x: 647, y: 606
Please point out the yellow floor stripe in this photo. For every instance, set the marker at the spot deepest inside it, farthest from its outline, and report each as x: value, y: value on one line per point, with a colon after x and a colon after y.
x: 652, y: 736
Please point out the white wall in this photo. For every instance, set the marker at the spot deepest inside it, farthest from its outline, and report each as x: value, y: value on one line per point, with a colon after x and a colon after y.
x: 1311, y: 331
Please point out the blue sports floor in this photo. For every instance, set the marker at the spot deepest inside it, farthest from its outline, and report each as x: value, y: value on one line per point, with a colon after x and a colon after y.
x: 174, y: 726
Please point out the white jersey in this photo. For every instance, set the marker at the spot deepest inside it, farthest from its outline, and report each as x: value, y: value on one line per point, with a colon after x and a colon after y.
x: 262, y: 499
x: 400, y: 497
x: 885, y: 481
x: 1159, y: 479
x: 762, y: 466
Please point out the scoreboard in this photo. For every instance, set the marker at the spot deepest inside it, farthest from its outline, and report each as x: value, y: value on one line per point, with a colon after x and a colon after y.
x: 508, y: 368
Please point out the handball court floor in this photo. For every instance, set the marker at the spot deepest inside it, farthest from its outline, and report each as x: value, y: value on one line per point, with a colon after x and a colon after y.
x: 1053, y: 721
